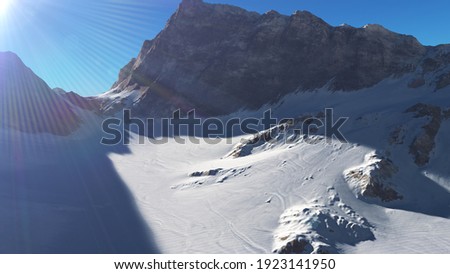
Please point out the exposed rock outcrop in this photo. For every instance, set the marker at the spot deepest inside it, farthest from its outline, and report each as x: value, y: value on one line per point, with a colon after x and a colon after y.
x: 372, y: 179
x: 211, y: 177
x: 436, y: 67
x: 424, y: 143
x: 318, y: 229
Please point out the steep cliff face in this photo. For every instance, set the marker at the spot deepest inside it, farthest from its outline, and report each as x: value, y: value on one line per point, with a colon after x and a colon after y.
x: 221, y: 58
x: 27, y: 103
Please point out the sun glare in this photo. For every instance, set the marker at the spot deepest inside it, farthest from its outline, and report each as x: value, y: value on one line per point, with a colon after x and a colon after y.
x: 4, y: 4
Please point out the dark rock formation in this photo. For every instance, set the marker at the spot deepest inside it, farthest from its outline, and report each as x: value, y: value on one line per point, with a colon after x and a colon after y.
x: 434, y: 69
x: 211, y: 172
x: 372, y: 179
x: 423, y: 144
x: 220, y: 58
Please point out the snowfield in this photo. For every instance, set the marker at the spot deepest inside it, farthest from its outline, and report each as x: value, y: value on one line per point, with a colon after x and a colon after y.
x: 72, y: 195
x: 241, y: 204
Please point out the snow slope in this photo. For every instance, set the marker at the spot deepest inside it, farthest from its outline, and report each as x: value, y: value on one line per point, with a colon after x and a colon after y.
x: 196, y: 200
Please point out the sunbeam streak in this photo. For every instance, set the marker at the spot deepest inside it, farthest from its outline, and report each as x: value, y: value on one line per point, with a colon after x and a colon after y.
x: 4, y: 5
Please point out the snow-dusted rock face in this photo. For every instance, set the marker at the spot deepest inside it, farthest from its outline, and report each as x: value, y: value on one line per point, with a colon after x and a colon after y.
x: 220, y: 58
x: 27, y: 104
x: 424, y: 143
x: 294, y: 130
x: 211, y: 177
x: 434, y: 70
x: 372, y: 178
x: 263, y: 140
x: 318, y: 229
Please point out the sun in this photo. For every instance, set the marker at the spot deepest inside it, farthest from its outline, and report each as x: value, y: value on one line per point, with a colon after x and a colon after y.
x: 4, y: 4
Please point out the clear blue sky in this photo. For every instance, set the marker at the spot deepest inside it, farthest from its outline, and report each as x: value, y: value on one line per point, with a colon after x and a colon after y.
x: 80, y: 45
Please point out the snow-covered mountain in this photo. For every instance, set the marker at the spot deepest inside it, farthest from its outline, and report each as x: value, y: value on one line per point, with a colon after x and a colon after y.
x: 384, y: 189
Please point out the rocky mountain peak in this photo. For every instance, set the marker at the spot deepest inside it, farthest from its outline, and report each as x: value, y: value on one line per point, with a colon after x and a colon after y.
x: 306, y: 16
x: 221, y: 58
x: 27, y: 103
x: 9, y: 58
x: 375, y: 27
x: 190, y: 4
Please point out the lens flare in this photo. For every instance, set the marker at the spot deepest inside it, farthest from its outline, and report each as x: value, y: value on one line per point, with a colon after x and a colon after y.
x: 4, y: 4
